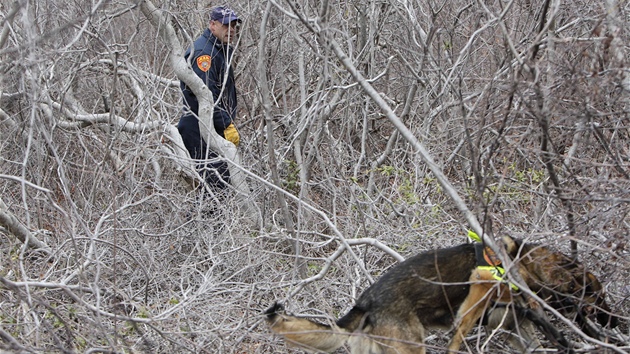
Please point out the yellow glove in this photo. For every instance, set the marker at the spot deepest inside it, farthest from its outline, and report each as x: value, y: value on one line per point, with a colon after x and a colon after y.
x: 231, y: 134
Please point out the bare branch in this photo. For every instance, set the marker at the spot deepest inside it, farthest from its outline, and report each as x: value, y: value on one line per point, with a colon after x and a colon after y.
x: 15, y: 227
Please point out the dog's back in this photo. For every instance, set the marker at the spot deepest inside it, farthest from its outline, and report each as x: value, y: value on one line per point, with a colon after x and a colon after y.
x: 429, y: 286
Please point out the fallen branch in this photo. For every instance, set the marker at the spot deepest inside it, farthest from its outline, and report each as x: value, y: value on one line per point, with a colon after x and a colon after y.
x: 11, y: 223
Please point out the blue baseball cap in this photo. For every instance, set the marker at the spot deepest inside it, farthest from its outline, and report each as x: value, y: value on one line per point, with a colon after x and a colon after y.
x: 224, y: 15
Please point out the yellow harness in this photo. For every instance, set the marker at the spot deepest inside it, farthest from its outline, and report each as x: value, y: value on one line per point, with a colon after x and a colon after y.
x: 487, y: 260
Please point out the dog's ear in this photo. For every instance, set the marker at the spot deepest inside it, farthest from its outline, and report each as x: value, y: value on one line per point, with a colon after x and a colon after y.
x: 274, y: 310
x: 510, y: 245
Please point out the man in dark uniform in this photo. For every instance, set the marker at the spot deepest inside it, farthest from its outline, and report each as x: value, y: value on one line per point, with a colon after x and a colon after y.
x: 210, y: 58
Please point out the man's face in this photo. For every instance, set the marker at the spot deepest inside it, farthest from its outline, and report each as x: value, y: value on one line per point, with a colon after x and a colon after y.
x: 225, y: 33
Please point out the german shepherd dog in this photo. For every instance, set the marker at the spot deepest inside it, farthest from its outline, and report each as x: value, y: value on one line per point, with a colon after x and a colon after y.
x: 445, y: 288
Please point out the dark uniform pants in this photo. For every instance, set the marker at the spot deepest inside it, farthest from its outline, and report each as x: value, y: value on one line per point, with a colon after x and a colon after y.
x: 216, y: 174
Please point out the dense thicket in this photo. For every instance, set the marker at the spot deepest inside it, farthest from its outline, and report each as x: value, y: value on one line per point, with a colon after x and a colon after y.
x: 105, y: 245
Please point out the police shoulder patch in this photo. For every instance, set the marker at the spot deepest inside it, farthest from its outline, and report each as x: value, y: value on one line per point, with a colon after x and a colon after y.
x: 204, y: 62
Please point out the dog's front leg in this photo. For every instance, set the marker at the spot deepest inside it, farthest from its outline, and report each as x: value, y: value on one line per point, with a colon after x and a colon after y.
x: 480, y: 294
